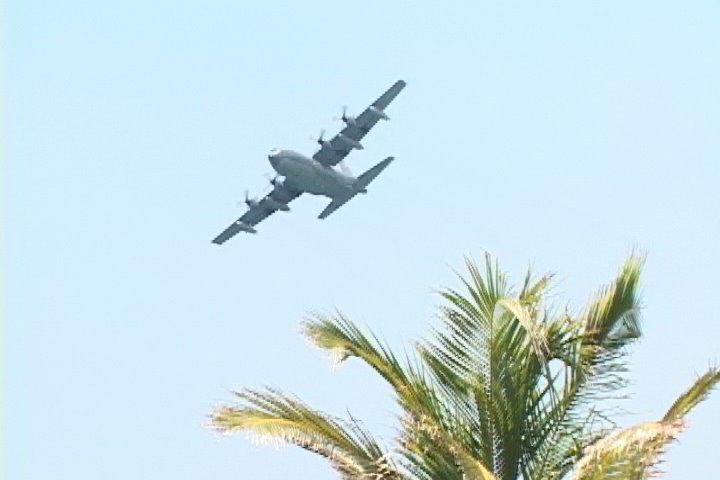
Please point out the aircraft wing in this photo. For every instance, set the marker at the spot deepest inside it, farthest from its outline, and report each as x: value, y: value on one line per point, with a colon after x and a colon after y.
x: 280, y: 194
x: 337, y: 149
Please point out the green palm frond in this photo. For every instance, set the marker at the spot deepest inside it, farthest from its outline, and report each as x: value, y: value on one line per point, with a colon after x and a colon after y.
x: 697, y: 392
x: 533, y: 331
x: 344, y: 339
x: 432, y: 452
x: 611, y: 319
x: 273, y: 416
x: 491, y: 365
x: 428, y: 421
x: 609, y: 324
x: 595, y: 357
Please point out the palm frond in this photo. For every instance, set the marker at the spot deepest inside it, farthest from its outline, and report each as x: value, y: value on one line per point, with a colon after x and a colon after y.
x: 697, y: 392
x: 461, y: 360
x: 533, y: 331
x: 429, y: 423
x: 630, y: 453
x: 593, y: 348
x: 471, y: 467
x: 491, y: 364
x: 611, y: 319
x: 275, y: 417
x: 427, y: 419
x: 437, y: 452
x: 635, y: 452
x: 344, y: 339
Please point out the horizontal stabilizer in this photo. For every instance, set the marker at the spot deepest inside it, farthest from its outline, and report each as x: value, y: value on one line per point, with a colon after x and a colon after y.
x: 334, y: 205
x: 359, y: 186
x: 367, y: 177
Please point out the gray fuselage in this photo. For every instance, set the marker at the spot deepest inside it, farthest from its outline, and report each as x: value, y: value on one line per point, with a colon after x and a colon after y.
x: 310, y: 176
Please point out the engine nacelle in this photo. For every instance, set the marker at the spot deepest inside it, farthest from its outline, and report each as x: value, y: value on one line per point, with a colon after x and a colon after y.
x: 350, y: 142
x: 276, y: 205
x: 276, y: 183
x: 379, y: 113
x: 245, y: 227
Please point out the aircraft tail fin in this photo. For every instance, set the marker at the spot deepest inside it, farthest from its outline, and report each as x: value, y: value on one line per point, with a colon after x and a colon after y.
x: 358, y: 187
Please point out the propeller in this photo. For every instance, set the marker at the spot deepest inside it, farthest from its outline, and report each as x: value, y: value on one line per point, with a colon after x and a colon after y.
x: 273, y: 203
x: 348, y: 119
x: 273, y: 181
x: 320, y: 140
x: 250, y: 202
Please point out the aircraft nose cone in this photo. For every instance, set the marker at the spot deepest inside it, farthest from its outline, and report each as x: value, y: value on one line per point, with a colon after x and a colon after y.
x: 273, y: 157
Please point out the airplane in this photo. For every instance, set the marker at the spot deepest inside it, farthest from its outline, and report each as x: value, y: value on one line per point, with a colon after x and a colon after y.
x: 317, y: 175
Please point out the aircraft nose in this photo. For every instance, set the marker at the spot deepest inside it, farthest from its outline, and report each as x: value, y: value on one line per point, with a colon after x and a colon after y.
x: 273, y: 157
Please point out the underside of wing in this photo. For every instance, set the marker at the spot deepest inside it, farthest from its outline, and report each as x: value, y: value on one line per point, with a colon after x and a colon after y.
x: 334, y: 151
x: 277, y: 199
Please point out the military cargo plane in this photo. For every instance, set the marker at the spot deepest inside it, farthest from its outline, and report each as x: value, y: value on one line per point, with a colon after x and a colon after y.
x: 317, y: 175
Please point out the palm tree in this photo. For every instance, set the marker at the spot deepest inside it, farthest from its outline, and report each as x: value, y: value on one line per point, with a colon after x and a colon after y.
x: 510, y: 388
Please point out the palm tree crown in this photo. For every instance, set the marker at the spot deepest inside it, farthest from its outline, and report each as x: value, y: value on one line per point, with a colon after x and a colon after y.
x: 509, y: 388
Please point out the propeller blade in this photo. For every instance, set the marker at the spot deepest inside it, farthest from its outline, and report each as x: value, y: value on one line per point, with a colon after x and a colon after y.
x: 273, y: 181
x: 343, y: 117
x: 320, y: 139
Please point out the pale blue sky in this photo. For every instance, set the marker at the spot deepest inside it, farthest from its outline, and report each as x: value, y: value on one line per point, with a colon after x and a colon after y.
x: 558, y: 134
